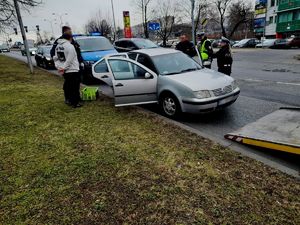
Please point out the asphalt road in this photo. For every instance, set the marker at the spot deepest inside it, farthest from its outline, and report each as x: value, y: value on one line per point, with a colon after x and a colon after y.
x: 269, y: 79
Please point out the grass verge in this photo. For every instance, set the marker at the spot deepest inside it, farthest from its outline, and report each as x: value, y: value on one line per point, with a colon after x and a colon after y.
x: 102, y: 165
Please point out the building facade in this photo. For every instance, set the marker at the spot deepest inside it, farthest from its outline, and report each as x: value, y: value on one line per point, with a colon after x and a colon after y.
x: 277, y: 18
x: 288, y: 22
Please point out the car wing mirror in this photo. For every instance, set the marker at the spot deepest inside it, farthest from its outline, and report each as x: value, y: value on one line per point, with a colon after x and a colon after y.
x: 148, y: 76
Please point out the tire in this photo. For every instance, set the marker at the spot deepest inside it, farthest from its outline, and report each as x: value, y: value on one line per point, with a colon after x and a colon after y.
x: 45, y: 66
x: 170, y: 106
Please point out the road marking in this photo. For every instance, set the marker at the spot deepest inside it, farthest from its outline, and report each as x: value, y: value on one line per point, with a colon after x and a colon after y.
x: 277, y: 82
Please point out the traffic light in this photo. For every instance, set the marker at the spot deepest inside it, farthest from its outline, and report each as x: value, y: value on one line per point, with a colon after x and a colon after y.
x: 37, y: 27
x: 26, y: 29
x: 16, y: 31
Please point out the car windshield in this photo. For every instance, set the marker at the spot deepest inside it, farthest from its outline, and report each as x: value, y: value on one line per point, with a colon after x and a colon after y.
x: 175, y: 63
x: 47, y: 50
x: 267, y: 42
x: 145, y: 44
x: 244, y: 41
x: 94, y: 44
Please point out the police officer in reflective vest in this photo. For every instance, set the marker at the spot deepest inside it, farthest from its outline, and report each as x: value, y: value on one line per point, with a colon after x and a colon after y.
x: 224, y: 57
x: 205, y: 50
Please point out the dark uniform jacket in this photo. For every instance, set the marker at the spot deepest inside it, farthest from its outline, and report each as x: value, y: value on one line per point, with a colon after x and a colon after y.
x: 186, y: 47
x: 74, y: 43
x: 225, y: 60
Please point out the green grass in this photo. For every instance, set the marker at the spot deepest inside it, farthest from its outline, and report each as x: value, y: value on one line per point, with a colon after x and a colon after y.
x: 103, y: 165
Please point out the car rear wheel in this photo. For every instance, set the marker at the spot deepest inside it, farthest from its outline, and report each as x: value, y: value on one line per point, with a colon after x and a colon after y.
x: 170, y: 105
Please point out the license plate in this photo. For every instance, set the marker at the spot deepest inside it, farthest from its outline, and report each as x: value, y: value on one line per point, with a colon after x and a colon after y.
x: 226, y: 100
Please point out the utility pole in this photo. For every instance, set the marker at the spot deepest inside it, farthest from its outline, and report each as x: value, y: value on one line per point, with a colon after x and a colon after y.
x: 193, y: 22
x: 114, y: 19
x: 23, y: 35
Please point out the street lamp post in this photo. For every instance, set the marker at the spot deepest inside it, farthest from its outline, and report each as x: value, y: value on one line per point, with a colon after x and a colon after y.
x: 60, y: 17
x: 193, y: 22
x: 50, y: 21
x: 114, y: 18
x: 23, y: 35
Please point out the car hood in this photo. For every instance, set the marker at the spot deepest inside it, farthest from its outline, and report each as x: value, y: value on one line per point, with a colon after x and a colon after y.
x: 96, y: 56
x: 204, y: 79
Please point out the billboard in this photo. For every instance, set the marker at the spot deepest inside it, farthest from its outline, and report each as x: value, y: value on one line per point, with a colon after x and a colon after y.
x: 127, y: 28
x: 259, y: 23
x: 261, y: 7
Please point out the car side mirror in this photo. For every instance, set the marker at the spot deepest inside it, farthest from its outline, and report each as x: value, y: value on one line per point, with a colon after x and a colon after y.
x: 148, y: 76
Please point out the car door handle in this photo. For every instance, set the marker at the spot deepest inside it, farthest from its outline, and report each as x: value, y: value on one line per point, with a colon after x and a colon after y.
x: 119, y: 85
x: 104, y: 77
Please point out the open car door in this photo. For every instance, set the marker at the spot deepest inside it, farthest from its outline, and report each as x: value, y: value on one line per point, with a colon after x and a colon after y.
x: 133, y: 83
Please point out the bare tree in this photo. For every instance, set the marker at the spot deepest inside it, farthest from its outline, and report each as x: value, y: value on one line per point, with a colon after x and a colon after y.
x: 239, y: 13
x: 8, y: 14
x: 201, y: 8
x: 99, y: 23
x: 222, y: 7
x: 143, y: 6
x: 166, y: 15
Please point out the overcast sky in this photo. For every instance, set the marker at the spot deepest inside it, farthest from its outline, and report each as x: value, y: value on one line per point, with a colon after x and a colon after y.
x: 79, y: 12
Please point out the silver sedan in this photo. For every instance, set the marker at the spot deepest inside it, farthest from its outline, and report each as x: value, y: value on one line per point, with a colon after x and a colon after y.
x: 167, y: 77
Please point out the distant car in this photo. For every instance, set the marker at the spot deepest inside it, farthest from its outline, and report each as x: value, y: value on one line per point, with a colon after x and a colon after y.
x: 4, y: 48
x: 168, y: 77
x: 281, y: 44
x: 43, y: 57
x: 216, y: 43
x: 32, y: 50
x: 268, y: 43
x: 93, y: 48
x: 130, y: 44
x: 294, y: 42
x: 247, y: 43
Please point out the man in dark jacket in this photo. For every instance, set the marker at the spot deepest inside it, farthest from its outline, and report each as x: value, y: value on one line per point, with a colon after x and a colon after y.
x: 205, y: 50
x: 224, y: 57
x: 186, y: 46
x: 67, y: 30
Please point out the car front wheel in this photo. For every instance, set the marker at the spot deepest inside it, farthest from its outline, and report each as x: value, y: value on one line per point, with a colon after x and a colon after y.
x: 170, y: 105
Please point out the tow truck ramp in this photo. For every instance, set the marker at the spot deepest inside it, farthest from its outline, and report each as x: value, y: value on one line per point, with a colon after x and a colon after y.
x: 279, y: 131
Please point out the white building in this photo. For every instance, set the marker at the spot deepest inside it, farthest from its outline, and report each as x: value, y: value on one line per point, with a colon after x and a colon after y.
x: 271, y: 18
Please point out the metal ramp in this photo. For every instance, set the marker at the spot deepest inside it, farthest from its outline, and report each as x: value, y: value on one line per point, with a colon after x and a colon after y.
x: 279, y: 131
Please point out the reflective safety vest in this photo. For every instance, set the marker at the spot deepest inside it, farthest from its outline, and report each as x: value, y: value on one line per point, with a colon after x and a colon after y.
x: 203, y: 51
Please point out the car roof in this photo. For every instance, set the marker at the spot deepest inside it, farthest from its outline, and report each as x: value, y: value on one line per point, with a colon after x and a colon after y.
x: 156, y: 51
x: 88, y: 37
x: 131, y: 39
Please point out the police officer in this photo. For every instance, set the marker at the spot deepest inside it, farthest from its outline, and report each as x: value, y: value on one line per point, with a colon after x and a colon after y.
x: 186, y: 46
x: 205, y: 50
x: 224, y: 57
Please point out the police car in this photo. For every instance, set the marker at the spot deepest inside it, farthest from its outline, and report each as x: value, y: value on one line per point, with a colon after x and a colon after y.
x: 93, y: 48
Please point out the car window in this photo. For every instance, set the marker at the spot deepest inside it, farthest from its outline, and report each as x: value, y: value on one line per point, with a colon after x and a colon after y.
x: 94, y: 44
x: 144, y: 43
x: 129, y: 44
x: 174, y: 63
x: 124, y: 70
x: 146, y: 61
x: 132, y: 55
x: 101, y: 67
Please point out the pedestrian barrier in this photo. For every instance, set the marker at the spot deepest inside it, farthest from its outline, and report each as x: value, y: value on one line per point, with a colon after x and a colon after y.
x: 89, y: 93
x: 278, y: 131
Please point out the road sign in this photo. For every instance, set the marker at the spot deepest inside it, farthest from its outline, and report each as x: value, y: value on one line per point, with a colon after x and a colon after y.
x: 204, y: 22
x: 154, y: 26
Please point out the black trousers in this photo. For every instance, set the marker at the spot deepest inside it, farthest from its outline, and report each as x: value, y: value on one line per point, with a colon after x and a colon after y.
x: 225, y: 70
x: 72, y: 87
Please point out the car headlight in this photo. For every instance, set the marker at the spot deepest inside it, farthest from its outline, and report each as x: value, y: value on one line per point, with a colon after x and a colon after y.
x: 202, y: 94
x: 234, y: 85
x: 48, y: 59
